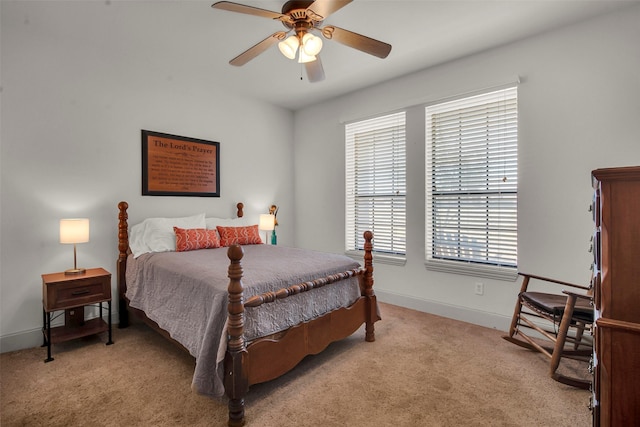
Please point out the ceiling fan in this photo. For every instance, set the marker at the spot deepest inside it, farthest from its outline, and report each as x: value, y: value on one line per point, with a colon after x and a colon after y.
x: 304, y: 17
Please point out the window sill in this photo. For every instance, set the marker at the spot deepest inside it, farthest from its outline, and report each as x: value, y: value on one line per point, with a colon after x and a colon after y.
x: 469, y: 269
x: 379, y: 258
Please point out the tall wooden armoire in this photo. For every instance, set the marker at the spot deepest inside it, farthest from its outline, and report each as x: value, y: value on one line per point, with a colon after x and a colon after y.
x: 616, y: 281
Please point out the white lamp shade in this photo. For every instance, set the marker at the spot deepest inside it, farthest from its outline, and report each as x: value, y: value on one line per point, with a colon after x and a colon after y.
x: 267, y: 222
x: 303, y: 58
x: 311, y: 44
x: 74, y: 230
x: 289, y: 46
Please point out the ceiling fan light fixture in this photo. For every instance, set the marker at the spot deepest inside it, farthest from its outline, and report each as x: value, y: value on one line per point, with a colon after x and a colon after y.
x: 303, y: 57
x: 289, y: 46
x: 311, y: 44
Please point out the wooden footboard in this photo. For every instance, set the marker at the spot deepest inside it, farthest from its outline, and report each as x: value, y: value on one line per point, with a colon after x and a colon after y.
x: 270, y: 357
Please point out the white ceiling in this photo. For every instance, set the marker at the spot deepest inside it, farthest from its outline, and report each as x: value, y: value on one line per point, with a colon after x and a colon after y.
x: 423, y: 33
x: 188, y: 39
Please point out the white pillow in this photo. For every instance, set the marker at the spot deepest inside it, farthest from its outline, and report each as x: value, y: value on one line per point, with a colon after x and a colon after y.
x: 157, y: 235
x: 136, y: 240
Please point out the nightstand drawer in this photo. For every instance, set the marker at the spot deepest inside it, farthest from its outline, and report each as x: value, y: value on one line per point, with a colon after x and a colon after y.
x: 74, y: 296
x: 62, y: 291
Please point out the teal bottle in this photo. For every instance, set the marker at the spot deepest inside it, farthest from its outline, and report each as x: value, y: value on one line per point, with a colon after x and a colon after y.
x: 274, y: 238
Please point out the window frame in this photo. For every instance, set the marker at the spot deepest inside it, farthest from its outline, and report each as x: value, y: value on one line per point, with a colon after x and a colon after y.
x: 382, y: 154
x: 468, y: 265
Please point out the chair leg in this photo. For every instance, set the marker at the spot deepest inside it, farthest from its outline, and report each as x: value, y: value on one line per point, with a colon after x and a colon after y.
x: 558, y: 349
x: 516, y: 313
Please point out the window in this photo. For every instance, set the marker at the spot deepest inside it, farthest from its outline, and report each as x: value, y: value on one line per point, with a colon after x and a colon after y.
x: 376, y: 183
x: 472, y: 185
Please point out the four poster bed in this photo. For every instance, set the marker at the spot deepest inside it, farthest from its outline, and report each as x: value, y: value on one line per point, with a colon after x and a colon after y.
x: 245, y: 323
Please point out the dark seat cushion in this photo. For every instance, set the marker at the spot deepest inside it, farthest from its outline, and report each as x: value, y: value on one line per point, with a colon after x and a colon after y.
x: 554, y: 304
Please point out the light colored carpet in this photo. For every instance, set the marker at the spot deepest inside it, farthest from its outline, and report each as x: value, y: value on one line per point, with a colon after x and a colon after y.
x: 423, y: 370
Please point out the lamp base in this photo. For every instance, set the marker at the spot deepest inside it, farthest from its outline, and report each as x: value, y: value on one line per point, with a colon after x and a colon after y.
x: 75, y: 271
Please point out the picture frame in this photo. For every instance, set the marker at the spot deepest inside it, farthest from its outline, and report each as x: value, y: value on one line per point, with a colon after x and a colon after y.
x: 175, y: 165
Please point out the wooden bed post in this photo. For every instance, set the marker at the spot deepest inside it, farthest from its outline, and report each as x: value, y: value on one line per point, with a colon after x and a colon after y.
x: 123, y: 247
x: 236, y: 382
x: 373, y: 314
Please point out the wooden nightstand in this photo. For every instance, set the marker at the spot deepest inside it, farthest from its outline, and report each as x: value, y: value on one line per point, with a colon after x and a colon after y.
x: 71, y: 293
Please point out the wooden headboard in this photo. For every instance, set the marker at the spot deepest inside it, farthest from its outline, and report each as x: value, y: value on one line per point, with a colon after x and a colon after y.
x: 124, y: 251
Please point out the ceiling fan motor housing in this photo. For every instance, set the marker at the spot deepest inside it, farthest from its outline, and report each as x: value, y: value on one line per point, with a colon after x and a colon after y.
x: 302, y: 19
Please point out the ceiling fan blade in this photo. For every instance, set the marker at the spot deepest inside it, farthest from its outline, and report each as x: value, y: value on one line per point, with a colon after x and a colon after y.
x: 249, y: 10
x: 257, y: 49
x: 315, y: 72
x: 320, y: 9
x: 357, y: 41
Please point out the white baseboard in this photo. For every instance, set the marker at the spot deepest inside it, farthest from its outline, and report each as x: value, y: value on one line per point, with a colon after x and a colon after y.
x: 464, y: 314
x: 18, y: 341
x: 33, y: 337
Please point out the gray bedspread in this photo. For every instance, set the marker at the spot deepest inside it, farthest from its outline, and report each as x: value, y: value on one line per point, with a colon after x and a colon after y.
x: 186, y: 294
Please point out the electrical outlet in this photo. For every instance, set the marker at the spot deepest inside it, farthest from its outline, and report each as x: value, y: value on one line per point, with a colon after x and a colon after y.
x: 479, y: 288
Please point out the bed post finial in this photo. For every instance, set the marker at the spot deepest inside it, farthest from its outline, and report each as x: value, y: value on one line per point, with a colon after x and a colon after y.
x: 373, y: 313
x: 121, y: 263
x: 236, y: 382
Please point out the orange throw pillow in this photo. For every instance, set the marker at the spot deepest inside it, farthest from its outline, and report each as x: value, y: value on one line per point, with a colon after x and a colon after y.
x: 190, y: 239
x: 249, y: 235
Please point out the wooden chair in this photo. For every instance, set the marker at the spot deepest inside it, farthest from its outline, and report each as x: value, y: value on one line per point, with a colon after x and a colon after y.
x: 560, y: 319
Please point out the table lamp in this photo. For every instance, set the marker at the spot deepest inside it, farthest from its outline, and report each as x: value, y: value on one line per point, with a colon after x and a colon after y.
x: 74, y: 230
x: 267, y: 223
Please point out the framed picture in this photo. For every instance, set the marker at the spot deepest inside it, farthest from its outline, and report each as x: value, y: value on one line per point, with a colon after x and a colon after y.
x: 179, y: 166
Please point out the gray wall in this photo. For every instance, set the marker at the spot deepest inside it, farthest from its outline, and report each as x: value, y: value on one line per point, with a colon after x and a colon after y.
x: 72, y: 111
x: 579, y: 109
x: 73, y: 108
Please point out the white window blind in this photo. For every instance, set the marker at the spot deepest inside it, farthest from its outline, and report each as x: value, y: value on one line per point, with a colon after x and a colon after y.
x: 472, y: 182
x: 376, y: 183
